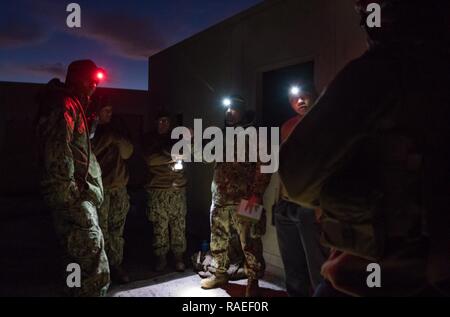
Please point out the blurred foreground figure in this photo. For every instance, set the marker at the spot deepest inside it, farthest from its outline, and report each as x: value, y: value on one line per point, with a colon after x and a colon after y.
x: 112, y: 150
x: 378, y: 158
x: 71, y: 177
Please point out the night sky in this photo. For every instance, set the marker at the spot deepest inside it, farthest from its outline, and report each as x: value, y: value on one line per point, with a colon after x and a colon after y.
x: 36, y: 44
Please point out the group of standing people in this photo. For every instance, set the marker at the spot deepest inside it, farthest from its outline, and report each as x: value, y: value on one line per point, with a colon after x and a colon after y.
x: 365, y: 168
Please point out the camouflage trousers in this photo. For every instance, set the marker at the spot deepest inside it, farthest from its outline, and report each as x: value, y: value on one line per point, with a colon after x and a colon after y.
x: 167, y: 211
x: 82, y: 241
x: 223, y: 220
x: 112, y: 215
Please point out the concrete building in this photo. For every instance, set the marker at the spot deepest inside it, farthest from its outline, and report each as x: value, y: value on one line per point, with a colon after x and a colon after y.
x: 256, y: 54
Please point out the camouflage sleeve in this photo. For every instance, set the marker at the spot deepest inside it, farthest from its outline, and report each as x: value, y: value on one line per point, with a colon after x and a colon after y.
x: 59, y: 180
x: 125, y: 147
x: 158, y: 159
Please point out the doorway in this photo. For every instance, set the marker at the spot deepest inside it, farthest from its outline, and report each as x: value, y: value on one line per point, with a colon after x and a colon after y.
x: 276, y: 85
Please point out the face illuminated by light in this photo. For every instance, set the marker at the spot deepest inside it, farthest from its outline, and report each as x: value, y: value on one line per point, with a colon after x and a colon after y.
x: 301, y: 103
x: 232, y: 117
x: 85, y: 87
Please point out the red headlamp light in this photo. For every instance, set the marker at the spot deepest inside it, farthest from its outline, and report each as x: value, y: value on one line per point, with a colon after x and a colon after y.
x: 99, y: 75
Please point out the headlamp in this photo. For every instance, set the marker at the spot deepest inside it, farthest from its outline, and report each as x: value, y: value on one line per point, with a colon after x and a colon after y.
x: 295, y: 91
x: 226, y: 102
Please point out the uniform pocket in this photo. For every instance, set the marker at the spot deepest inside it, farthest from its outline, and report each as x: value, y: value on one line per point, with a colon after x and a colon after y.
x: 84, y: 243
x: 83, y: 215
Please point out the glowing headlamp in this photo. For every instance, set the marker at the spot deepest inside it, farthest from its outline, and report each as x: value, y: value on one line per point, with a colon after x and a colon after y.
x: 226, y: 102
x: 295, y: 90
x: 99, y: 75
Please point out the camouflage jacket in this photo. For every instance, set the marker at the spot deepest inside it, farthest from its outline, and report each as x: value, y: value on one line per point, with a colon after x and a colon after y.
x: 70, y: 171
x: 161, y: 171
x: 234, y: 181
x: 111, y: 151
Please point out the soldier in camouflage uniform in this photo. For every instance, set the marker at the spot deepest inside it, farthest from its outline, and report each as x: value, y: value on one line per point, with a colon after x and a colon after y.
x: 166, y: 190
x: 233, y: 182
x: 71, y: 178
x: 111, y: 150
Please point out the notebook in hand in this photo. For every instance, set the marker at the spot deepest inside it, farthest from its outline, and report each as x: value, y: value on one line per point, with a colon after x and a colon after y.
x: 252, y: 214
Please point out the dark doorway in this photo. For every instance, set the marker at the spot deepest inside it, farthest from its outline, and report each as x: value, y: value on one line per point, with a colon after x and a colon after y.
x: 276, y: 84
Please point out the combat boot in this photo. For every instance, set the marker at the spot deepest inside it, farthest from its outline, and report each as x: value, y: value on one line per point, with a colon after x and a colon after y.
x: 179, y: 262
x: 215, y: 281
x: 161, y: 263
x: 119, y: 275
x: 252, y: 289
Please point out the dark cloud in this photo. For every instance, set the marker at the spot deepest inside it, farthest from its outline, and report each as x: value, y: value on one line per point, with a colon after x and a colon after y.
x: 54, y: 70
x: 20, y: 32
x: 127, y: 35
x: 45, y: 70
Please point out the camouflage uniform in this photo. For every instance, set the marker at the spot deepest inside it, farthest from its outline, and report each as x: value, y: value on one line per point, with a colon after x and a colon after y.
x: 112, y: 215
x: 166, y: 199
x: 72, y: 187
x: 112, y: 151
x: 233, y: 182
x: 167, y: 209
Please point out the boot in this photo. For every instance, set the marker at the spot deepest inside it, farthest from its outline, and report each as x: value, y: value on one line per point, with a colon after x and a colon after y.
x: 161, y: 263
x: 252, y: 289
x: 119, y: 275
x: 215, y: 281
x: 179, y: 262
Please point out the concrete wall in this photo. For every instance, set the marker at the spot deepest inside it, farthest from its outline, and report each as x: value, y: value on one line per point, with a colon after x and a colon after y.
x: 18, y: 161
x: 192, y: 76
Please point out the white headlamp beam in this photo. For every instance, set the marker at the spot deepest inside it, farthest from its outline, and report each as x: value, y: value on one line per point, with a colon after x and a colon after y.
x: 226, y: 102
x: 295, y: 90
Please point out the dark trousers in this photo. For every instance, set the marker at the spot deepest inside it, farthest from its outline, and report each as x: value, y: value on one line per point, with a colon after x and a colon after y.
x: 301, y: 252
x: 325, y: 289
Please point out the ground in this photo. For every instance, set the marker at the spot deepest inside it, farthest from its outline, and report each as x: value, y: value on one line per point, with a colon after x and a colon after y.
x: 188, y: 285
